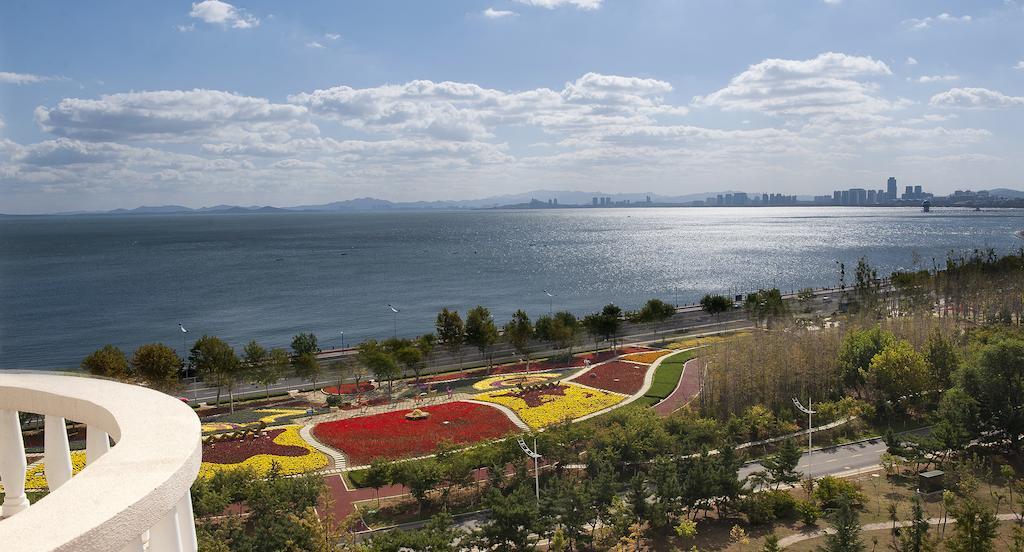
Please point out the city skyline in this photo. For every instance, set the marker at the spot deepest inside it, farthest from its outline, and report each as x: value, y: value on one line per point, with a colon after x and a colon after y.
x: 255, y: 103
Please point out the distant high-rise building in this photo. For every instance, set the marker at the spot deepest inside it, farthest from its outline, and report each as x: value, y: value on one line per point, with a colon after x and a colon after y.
x: 594, y: 201
x: 844, y: 197
x: 837, y: 196
x: 917, y: 191
x: 872, y: 197
x: 892, y: 188
x: 858, y: 196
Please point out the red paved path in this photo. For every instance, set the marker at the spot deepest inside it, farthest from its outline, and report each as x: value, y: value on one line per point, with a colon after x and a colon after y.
x: 686, y: 390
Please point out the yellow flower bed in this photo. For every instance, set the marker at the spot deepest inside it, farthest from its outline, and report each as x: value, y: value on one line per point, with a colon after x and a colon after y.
x: 289, y: 465
x: 274, y: 413
x: 512, y: 380
x: 35, y: 476
x: 646, y: 358
x: 576, y: 402
x: 210, y: 427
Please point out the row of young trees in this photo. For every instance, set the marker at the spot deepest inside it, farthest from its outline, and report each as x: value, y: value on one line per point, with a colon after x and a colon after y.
x: 214, y: 360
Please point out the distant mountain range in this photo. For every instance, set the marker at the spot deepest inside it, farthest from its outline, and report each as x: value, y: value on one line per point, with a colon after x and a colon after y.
x: 562, y: 197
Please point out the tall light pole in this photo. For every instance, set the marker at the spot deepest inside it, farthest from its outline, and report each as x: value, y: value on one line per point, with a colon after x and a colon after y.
x: 395, y: 311
x: 343, y: 340
x: 184, y: 357
x: 551, y: 301
x: 810, y: 428
x: 536, y: 467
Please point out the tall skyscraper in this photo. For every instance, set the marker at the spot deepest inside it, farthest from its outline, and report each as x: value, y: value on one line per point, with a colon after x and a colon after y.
x: 892, y: 188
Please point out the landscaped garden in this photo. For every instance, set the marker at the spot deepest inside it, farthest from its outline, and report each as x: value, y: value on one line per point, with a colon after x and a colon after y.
x: 514, y: 380
x: 391, y: 435
x: 546, y: 405
x: 283, y: 446
x: 617, y: 376
x: 35, y: 476
x: 347, y: 389
x: 648, y: 357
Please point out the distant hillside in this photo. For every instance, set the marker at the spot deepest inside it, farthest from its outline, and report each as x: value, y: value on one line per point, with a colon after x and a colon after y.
x: 1006, y: 192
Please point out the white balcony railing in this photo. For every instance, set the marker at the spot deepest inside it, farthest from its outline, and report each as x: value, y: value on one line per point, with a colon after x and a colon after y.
x: 133, y: 496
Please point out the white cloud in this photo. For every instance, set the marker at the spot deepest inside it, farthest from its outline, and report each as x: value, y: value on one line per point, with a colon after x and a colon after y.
x: 185, y: 28
x: 25, y: 78
x: 926, y: 79
x: 492, y: 13
x: 174, y: 115
x: 2, y: 123
x: 911, y: 61
x: 552, y: 4
x: 222, y: 13
x: 924, y: 23
x: 332, y: 36
x: 833, y: 2
x: 314, y: 45
x: 830, y: 86
x: 1019, y: 66
x: 466, y: 111
x: 975, y: 98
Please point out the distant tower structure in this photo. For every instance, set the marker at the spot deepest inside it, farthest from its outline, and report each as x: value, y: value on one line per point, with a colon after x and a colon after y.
x: 892, y: 188
x: 594, y: 201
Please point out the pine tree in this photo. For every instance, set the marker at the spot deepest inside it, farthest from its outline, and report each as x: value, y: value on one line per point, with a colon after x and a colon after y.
x: 847, y: 525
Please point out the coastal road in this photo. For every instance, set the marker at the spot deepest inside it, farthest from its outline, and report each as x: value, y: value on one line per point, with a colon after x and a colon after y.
x: 688, y: 321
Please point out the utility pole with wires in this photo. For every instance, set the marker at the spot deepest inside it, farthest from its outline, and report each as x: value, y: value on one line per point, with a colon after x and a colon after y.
x: 810, y: 429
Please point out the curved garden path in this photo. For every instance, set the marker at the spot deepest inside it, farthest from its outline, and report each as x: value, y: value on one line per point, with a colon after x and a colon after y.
x: 880, y: 526
x: 686, y: 390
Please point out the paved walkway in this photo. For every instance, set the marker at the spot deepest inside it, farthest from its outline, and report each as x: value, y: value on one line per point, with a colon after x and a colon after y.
x: 880, y: 526
x: 686, y: 390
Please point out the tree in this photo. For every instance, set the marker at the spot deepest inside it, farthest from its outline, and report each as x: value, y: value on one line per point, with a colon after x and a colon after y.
x: 605, y: 324
x: 771, y: 544
x: 480, y: 330
x: 856, y: 352
x: 899, y: 373
x: 440, y: 534
x: 157, y: 365
x: 409, y: 357
x: 307, y: 367
x: 781, y: 466
x: 941, y: 357
x: 304, y: 344
x: 914, y: 538
x: 656, y: 311
x: 564, y: 330
x: 216, y: 363
x: 254, y: 356
x: 715, y: 305
x: 383, y: 366
x: 766, y: 305
x: 995, y: 379
x: 377, y: 476
x: 847, y: 525
x: 107, y: 362
x: 513, y: 521
x: 451, y: 332
x: 271, y: 370
x: 867, y: 287
x: 518, y: 332
x: 805, y: 296
x: 975, y: 528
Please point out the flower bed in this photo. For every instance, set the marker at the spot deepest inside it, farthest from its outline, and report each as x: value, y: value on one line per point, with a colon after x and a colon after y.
x: 347, y: 389
x: 35, y: 476
x: 284, y: 446
x: 391, y: 436
x: 621, y: 377
x: 514, y: 380
x: 646, y: 357
x: 551, y: 405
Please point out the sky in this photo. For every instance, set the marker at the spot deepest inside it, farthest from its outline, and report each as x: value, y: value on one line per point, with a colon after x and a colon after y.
x: 117, y: 104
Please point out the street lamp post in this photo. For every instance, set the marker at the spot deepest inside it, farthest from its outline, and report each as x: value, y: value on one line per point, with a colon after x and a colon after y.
x: 395, y: 312
x: 342, y: 340
x: 184, y: 357
x: 551, y: 301
x: 536, y: 466
x: 810, y: 429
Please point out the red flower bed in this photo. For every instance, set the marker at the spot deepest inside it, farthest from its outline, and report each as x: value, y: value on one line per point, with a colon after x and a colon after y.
x: 391, y: 436
x: 621, y: 377
x: 348, y: 388
x: 233, y: 452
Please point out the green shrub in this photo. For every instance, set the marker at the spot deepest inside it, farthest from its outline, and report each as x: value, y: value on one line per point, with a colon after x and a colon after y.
x: 808, y: 512
x: 334, y: 400
x: 831, y: 489
x: 765, y: 507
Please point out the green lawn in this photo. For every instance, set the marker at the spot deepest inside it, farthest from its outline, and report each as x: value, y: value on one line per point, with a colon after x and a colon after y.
x: 666, y: 378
